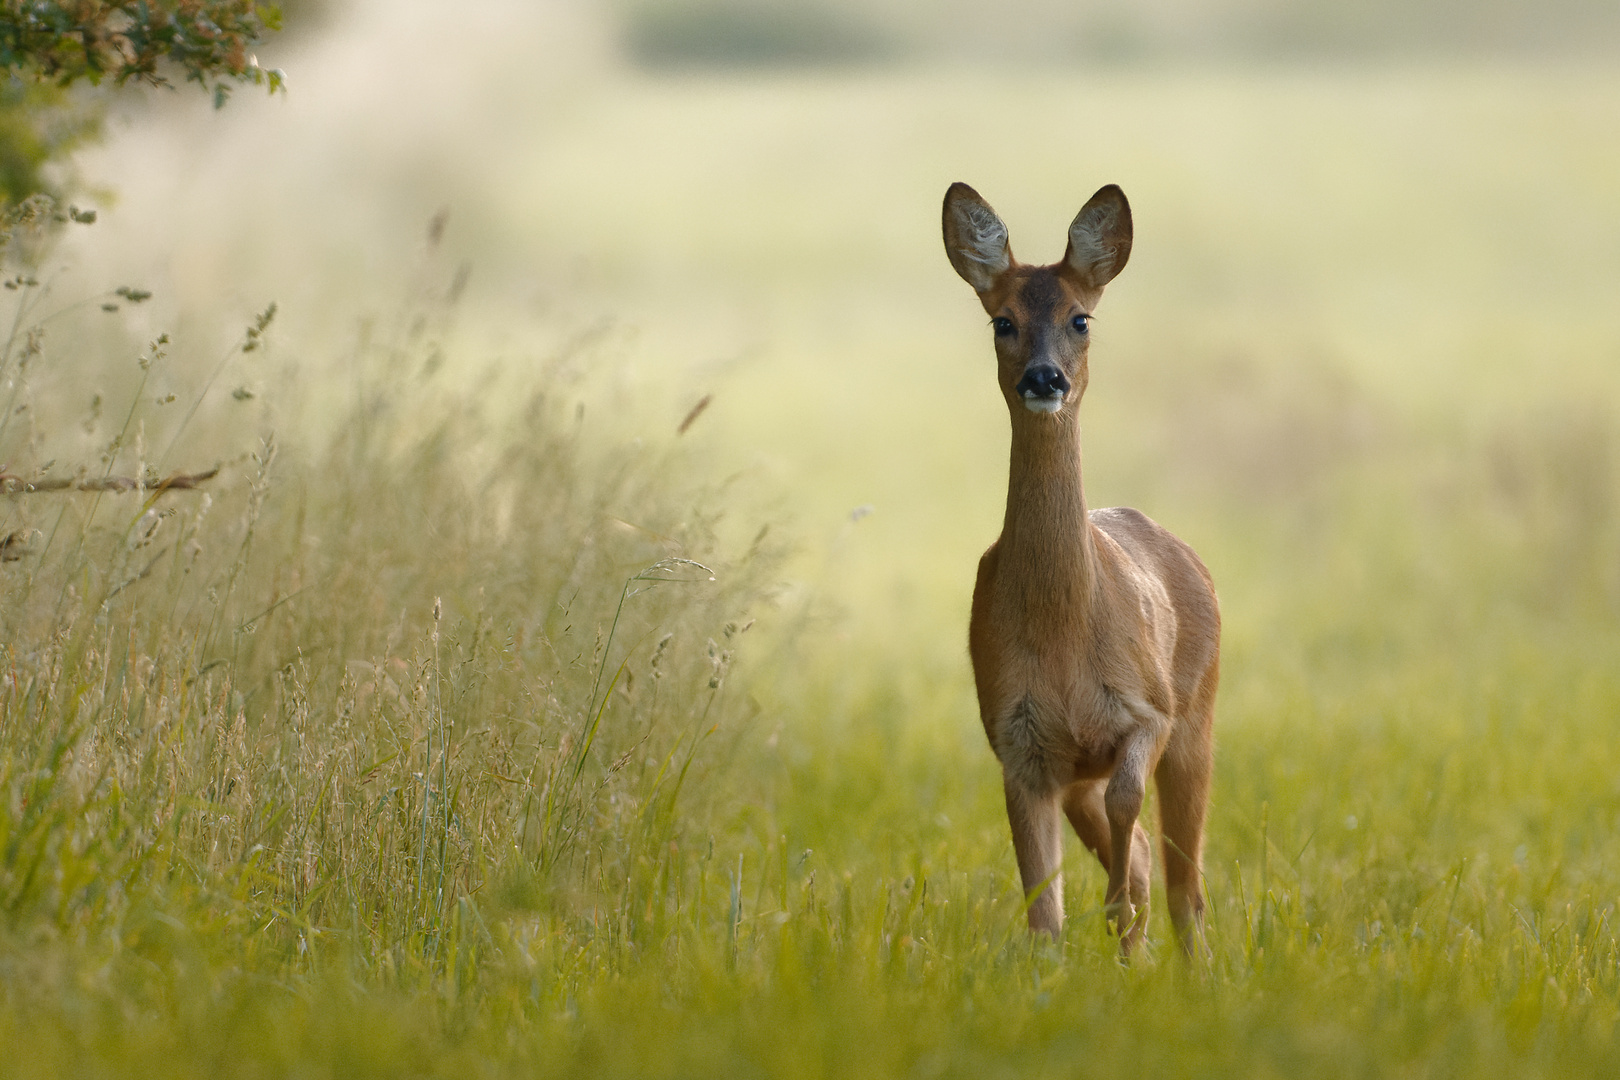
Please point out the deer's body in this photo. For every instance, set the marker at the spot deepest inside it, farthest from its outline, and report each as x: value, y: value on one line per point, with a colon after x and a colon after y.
x: 1095, y: 634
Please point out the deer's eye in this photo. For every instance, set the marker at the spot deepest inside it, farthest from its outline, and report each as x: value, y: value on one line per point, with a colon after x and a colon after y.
x: 1081, y: 323
x: 1004, y: 327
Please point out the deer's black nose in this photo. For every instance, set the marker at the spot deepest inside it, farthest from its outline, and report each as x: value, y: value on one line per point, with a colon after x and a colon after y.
x: 1042, y: 381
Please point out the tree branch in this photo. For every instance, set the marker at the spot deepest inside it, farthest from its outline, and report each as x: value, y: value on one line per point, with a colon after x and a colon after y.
x: 16, y: 485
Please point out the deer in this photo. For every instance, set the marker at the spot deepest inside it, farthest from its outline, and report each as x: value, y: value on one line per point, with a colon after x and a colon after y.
x: 1094, y: 634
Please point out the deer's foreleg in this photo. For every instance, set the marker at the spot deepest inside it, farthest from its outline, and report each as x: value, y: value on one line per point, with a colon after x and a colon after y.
x: 1083, y: 803
x: 1037, y: 832
x: 1122, y: 803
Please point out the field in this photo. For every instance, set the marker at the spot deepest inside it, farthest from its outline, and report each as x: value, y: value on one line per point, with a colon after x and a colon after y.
x: 500, y: 708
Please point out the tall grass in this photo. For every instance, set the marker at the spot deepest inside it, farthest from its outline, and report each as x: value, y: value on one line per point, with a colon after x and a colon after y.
x: 357, y: 690
x: 436, y: 734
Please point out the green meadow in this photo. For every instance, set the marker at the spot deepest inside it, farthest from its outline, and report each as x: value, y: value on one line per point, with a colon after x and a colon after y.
x: 564, y: 674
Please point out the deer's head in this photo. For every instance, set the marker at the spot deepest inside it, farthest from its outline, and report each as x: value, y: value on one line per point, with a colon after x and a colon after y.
x: 1041, y: 314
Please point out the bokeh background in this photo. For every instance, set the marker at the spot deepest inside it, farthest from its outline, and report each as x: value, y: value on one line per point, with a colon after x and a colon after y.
x: 1362, y: 227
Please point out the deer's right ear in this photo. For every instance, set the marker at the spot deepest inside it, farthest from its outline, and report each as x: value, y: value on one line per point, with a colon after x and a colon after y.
x: 975, y: 238
x: 1100, y: 238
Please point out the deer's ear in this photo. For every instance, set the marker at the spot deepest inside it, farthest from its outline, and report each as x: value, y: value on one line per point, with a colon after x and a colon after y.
x: 975, y: 238
x: 1100, y: 238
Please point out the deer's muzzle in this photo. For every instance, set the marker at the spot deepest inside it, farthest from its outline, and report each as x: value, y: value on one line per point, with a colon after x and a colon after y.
x: 1043, y: 388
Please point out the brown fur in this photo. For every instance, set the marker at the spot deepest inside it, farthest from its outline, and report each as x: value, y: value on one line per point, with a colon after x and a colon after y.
x: 1095, y: 635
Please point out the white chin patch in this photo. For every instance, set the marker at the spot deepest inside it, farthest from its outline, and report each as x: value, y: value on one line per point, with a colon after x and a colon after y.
x: 1043, y: 404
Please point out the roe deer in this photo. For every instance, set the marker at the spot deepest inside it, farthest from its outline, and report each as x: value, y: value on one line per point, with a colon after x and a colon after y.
x: 1095, y: 636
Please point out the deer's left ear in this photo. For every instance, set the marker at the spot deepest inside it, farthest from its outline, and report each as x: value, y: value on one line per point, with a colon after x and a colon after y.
x: 1100, y: 238
x: 975, y: 238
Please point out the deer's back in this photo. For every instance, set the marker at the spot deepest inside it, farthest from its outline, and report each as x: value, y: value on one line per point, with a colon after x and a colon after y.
x: 1157, y: 552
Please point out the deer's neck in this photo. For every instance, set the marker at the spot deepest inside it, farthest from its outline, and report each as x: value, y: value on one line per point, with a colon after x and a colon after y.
x: 1046, y: 533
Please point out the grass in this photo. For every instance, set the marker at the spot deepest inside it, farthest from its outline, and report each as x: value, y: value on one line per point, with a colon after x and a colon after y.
x: 419, y: 741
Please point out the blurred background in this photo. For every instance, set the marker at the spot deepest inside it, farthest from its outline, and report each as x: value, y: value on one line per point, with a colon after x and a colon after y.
x: 565, y: 294
x: 1378, y: 249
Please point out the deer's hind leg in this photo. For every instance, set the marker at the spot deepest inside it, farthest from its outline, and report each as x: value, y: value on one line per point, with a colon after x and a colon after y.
x: 1083, y: 804
x: 1183, y: 779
